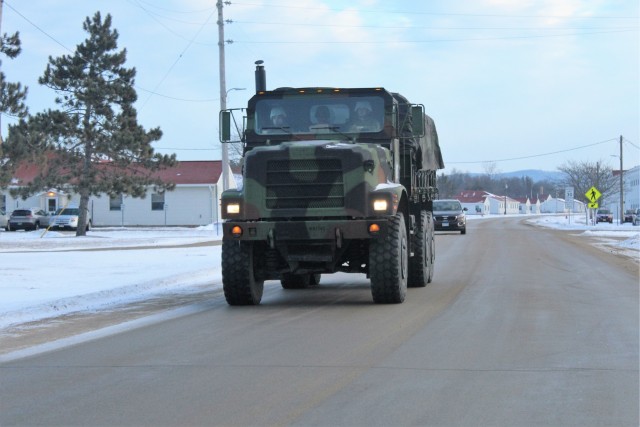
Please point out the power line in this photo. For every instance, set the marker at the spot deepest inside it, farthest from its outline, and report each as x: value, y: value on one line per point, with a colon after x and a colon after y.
x: 421, y: 27
x: 631, y: 143
x: 377, y: 42
x: 414, y: 12
x: 152, y: 92
x: 138, y: 2
x: 536, y: 155
x: 179, y: 57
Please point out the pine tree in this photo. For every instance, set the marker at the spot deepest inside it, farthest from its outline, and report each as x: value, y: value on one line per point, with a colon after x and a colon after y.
x: 93, y: 144
x: 12, y: 95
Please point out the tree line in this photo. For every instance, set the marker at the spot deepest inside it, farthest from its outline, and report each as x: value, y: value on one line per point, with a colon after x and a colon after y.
x: 581, y: 175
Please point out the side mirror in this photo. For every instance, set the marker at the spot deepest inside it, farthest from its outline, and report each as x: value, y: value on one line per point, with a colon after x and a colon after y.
x: 417, y: 116
x: 225, y: 126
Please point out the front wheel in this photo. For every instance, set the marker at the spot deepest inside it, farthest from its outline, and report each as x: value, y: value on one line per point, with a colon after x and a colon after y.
x: 238, y: 274
x: 388, y: 263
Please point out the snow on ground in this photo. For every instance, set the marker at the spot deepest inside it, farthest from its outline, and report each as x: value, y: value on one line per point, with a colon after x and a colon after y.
x: 45, y: 275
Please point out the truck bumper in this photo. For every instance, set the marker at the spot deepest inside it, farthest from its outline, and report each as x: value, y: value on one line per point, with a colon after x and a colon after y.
x: 305, y: 230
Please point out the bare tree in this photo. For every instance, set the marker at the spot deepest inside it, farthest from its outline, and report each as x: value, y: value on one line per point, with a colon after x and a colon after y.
x: 584, y: 175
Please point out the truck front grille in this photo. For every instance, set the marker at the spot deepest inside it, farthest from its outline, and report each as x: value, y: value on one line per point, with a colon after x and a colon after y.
x: 304, y: 184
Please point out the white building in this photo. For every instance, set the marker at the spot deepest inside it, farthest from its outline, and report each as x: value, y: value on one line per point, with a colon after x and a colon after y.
x: 193, y: 202
x: 483, y: 202
x: 631, y: 188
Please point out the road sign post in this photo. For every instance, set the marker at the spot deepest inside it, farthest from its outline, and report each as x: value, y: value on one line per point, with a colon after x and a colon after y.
x: 592, y: 195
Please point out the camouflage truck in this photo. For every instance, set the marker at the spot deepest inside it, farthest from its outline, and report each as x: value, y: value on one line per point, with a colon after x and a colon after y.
x: 330, y: 194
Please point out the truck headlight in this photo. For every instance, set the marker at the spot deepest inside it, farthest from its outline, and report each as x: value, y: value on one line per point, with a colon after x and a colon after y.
x: 233, y: 208
x: 380, y: 205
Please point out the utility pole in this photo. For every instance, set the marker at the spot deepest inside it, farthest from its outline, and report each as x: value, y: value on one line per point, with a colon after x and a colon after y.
x: 621, y: 217
x: 1, y: 4
x: 223, y: 92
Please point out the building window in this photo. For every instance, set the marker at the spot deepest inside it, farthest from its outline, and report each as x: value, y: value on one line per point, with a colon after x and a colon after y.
x: 157, y: 202
x: 115, y: 203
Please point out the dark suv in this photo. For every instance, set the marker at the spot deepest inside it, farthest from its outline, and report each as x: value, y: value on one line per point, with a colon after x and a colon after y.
x: 630, y: 216
x: 27, y: 219
x: 449, y: 215
x: 604, y: 215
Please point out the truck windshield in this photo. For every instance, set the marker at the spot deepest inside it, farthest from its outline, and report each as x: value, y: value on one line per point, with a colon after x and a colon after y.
x: 319, y: 114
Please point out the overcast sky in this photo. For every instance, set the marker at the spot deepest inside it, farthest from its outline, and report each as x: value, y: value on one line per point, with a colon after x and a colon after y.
x: 511, y: 85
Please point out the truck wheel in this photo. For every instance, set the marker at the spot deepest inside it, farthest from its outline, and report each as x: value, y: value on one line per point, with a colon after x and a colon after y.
x: 238, y: 278
x: 299, y: 281
x: 420, y: 263
x: 432, y: 244
x: 388, y: 264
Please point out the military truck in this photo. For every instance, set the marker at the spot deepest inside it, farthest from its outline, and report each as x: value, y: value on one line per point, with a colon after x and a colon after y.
x: 327, y: 187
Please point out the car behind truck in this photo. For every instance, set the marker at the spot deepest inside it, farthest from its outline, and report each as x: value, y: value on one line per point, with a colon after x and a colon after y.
x: 330, y: 188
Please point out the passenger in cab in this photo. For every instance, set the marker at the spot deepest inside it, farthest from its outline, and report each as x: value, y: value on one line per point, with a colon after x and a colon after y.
x: 364, y: 120
x: 323, y: 120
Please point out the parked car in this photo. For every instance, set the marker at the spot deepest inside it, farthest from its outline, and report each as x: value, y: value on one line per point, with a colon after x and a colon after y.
x: 27, y: 219
x: 630, y: 216
x: 67, y: 218
x: 4, y: 220
x: 449, y: 215
x: 604, y: 215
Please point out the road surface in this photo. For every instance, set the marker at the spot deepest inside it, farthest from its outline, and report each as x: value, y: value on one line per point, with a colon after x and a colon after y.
x: 521, y: 326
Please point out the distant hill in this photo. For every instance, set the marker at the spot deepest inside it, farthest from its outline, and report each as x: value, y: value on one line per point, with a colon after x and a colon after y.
x: 534, y: 174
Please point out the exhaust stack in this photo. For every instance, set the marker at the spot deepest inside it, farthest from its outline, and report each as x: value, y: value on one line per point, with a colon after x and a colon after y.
x: 261, y: 77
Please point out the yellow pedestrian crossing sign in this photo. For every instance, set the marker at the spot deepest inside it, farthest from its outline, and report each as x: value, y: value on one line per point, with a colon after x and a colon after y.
x: 592, y: 195
x: 593, y: 205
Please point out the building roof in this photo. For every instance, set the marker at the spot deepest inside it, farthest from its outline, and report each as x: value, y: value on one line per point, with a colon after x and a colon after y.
x: 193, y: 172
x: 184, y: 173
x: 472, y: 196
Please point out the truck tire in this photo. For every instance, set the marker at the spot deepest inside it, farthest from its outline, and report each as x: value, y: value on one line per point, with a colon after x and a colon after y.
x: 238, y: 279
x: 299, y: 281
x: 432, y: 244
x: 421, y: 263
x: 388, y: 264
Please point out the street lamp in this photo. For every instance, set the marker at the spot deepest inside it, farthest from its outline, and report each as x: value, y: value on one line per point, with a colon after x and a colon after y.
x: 225, y: 149
x: 234, y: 88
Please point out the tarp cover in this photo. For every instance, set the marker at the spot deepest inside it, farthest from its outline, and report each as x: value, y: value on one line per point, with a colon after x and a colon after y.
x: 425, y: 150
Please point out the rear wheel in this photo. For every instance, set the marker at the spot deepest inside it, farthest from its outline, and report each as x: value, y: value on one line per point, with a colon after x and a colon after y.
x: 432, y: 245
x: 238, y: 274
x: 388, y: 263
x: 421, y: 263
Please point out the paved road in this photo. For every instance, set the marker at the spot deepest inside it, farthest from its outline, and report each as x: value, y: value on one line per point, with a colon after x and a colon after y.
x: 522, y: 326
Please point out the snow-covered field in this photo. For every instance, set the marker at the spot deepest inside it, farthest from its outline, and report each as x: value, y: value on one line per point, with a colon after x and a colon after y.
x: 45, y: 276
